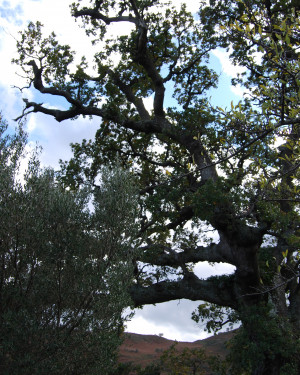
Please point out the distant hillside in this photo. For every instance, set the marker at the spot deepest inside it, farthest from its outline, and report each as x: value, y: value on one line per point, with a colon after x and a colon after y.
x: 146, y: 349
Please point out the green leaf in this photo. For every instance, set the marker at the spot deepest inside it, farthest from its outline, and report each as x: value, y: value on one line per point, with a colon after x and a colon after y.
x: 259, y: 29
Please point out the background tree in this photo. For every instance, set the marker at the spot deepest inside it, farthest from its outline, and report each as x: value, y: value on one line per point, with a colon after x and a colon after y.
x: 233, y: 171
x: 65, y: 270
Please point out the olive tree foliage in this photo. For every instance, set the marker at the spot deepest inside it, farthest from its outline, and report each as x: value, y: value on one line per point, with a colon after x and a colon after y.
x: 65, y: 269
x: 199, y: 168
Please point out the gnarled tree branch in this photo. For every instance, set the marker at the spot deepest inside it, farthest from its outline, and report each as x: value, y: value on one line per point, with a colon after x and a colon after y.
x: 213, y: 290
x: 216, y: 253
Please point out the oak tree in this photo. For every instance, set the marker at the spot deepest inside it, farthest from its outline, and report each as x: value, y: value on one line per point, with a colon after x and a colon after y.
x: 200, y: 168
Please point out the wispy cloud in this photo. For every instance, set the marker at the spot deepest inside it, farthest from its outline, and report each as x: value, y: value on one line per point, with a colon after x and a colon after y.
x: 230, y: 69
x: 227, y: 66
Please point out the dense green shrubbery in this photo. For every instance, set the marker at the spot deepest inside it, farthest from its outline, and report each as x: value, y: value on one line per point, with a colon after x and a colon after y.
x: 65, y: 269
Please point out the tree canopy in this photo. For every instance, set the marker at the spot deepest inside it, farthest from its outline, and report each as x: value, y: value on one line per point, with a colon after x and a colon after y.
x: 198, y: 167
x: 65, y: 270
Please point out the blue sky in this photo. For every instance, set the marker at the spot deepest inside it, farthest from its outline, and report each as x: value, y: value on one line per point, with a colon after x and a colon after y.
x: 11, y: 12
x: 172, y: 319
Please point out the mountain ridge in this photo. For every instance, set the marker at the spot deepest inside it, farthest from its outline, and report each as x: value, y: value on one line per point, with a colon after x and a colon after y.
x: 144, y: 350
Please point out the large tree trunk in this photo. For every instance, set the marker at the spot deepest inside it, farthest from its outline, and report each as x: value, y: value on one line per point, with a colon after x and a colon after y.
x: 267, y: 343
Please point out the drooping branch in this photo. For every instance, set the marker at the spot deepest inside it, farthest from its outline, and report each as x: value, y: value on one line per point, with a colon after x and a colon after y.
x: 59, y: 115
x: 38, y: 84
x: 77, y: 106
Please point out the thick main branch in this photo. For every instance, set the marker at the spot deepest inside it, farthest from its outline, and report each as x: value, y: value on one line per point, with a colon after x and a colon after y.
x: 216, y: 253
x: 213, y: 290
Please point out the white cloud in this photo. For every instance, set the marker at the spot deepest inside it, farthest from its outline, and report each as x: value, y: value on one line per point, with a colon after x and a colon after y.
x: 55, y: 138
x: 31, y: 124
x: 230, y: 69
x: 204, y: 270
x: 148, y: 103
x: 227, y: 66
x: 173, y: 319
x: 238, y: 90
x: 233, y: 70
